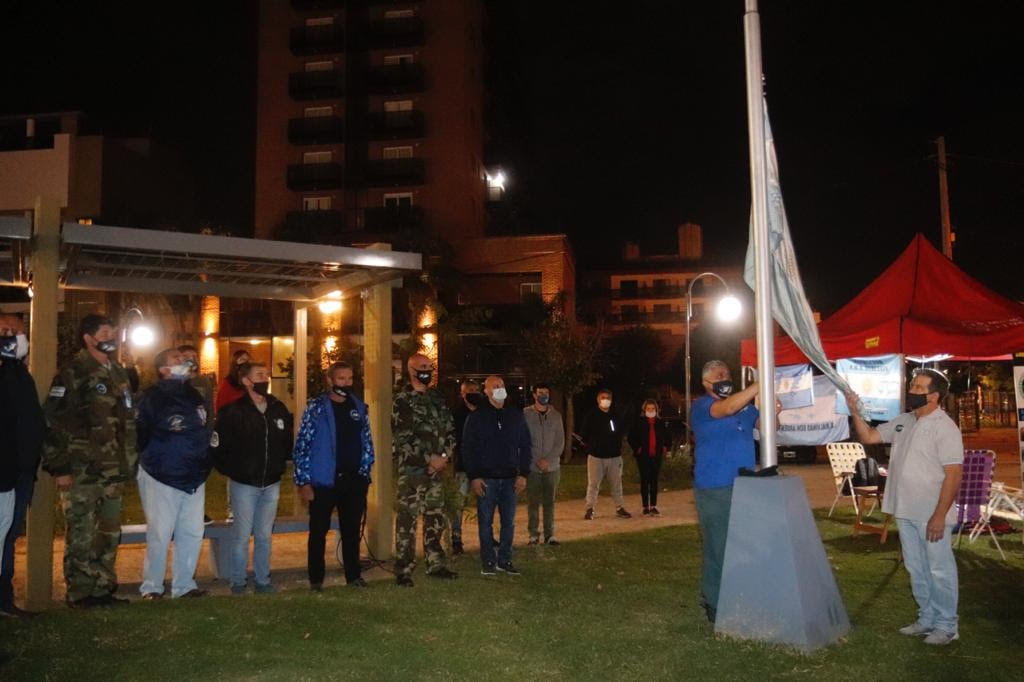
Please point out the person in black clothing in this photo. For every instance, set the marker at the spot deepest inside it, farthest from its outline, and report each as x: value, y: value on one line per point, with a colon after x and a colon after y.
x: 649, y: 438
x: 23, y: 427
x: 602, y: 435
x: 496, y: 454
x: 333, y: 458
x: 252, y: 442
x: 470, y: 399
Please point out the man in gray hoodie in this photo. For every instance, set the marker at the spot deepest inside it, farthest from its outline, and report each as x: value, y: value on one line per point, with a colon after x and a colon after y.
x: 547, y: 438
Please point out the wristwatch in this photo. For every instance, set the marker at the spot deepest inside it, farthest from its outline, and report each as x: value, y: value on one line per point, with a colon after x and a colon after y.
x: 444, y: 456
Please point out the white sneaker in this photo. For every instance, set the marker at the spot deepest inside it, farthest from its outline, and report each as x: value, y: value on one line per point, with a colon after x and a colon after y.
x: 916, y: 630
x: 941, y: 638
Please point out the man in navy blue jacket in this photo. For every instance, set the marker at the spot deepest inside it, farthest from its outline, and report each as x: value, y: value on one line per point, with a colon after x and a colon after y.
x: 333, y: 457
x: 496, y: 455
x: 174, y: 463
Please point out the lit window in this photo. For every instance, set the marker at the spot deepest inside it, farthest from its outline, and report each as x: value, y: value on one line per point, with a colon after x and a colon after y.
x: 320, y: 66
x: 317, y: 112
x: 320, y: 21
x: 397, y: 152
x: 398, y: 105
x: 398, y: 200
x: 399, y: 14
x: 317, y: 157
x: 527, y: 289
x: 396, y: 59
x: 316, y: 203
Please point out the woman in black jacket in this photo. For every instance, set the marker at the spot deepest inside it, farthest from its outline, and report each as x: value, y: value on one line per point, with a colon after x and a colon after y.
x: 649, y: 439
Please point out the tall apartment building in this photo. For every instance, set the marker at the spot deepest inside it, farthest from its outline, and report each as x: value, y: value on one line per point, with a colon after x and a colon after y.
x: 369, y: 120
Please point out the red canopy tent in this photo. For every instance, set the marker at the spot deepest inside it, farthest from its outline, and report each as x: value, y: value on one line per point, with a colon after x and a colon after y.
x: 922, y: 304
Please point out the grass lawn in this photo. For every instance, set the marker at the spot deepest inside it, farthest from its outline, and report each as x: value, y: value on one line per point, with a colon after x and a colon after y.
x: 620, y: 607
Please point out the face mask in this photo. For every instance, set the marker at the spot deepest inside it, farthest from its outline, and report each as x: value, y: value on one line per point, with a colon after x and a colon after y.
x: 13, y: 347
x: 107, y: 347
x: 605, y: 403
x: 340, y: 391
x: 916, y: 400
x: 180, y: 372
x: 650, y: 414
x: 544, y: 399
x: 424, y: 376
x: 261, y: 387
x: 475, y: 399
x: 723, y: 389
x: 499, y: 395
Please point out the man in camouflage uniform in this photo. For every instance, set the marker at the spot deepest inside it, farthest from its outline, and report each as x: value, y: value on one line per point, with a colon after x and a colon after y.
x: 423, y: 441
x: 90, y: 450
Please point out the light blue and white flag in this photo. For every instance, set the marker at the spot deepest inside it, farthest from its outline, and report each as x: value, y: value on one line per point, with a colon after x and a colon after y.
x: 794, y: 386
x: 789, y: 303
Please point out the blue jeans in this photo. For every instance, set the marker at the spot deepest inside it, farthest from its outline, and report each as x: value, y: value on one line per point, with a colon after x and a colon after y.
x: 22, y: 496
x: 500, y: 494
x: 255, y: 509
x: 170, y: 513
x: 933, y: 577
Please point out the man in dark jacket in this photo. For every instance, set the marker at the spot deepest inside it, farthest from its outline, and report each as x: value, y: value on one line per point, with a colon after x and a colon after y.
x: 602, y: 433
x: 251, y: 442
x: 23, y: 429
x: 470, y: 398
x: 174, y: 462
x: 333, y: 458
x: 496, y: 454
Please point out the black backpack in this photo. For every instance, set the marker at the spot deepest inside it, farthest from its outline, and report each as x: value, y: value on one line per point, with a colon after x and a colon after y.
x: 865, y: 473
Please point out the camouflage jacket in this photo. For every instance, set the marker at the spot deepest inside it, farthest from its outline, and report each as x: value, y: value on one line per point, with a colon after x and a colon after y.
x: 91, y: 419
x: 421, y: 426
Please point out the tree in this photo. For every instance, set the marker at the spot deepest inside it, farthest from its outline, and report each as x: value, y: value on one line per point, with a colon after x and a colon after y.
x: 557, y: 351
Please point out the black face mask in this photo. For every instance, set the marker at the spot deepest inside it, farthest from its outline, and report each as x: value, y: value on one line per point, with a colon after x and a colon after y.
x: 916, y: 400
x: 261, y: 387
x: 340, y: 391
x: 107, y: 347
x: 424, y: 376
x: 475, y: 399
x: 723, y: 389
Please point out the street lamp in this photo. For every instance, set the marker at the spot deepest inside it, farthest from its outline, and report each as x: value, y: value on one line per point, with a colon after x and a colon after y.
x: 141, y: 334
x: 728, y: 309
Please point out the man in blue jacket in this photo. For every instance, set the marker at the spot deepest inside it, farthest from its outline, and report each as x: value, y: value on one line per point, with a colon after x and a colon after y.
x: 333, y: 457
x: 174, y: 463
x: 496, y: 455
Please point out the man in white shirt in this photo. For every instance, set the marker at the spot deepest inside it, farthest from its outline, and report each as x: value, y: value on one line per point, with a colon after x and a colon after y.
x: 925, y: 468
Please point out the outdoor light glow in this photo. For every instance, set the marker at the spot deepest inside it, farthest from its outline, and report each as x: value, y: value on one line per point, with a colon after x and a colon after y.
x: 729, y: 309
x: 209, y: 356
x: 497, y: 180
x: 254, y: 342
x: 142, y: 336
x: 332, y: 304
x: 922, y: 359
x: 210, y: 315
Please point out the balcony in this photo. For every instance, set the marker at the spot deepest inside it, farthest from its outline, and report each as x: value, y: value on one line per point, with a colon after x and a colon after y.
x: 397, y: 32
x: 392, y: 218
x: 636, y: 293
x: 309, y: 85
x: 394, y: 173
x: 317, y: 130
x: 642, y: 317
x: 396, y: 125
x: 394, y: 79
x: 305, y: 177
x: 309, y: 40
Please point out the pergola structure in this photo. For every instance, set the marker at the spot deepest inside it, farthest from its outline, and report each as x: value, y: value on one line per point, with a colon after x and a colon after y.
x: 46, y: 255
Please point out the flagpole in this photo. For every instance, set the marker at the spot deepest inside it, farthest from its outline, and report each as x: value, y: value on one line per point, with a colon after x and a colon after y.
x: 759, y: 216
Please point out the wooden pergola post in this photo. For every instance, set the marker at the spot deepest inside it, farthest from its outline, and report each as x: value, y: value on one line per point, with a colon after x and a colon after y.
x: 300, y: 369
x: 45, y: 252
x: 380, y: 521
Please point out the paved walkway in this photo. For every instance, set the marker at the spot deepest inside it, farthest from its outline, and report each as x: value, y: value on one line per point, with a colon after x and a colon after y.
x: 677, y: 508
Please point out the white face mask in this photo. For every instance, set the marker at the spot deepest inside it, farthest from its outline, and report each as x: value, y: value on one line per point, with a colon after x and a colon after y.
x: 499, y: 394
x: 21, y: 350
x: 605, y: 403
x: 183, y: 371
x: 651, y: 414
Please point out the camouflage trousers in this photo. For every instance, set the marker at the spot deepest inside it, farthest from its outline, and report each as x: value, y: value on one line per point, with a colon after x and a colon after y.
x: 93, y: 515
x: 419, y: 494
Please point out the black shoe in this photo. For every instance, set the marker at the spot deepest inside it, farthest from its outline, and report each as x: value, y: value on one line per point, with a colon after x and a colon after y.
x: 83, y: 603
x: 552, y: 541
x: 316, y: 587
x: 457, y: 548
x: 12, y: 611
x: 646, y: 511
x: 508, y: 568
x: 109, y: 600
x: 488, y: 569
x: 589, y: 516
x: 711, y: 613
x: 358, y: 582
x: 622, y: 513
x: 534, y: 540
x: 404, y: 581
x: 443, y: 574
x: 655, y: 512
x: 194, y: 594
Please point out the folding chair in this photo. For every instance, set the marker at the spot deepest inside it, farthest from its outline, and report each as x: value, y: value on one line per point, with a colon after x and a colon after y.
x: 1007, y: 503
x: 843, y: 459
x: 974, y: 499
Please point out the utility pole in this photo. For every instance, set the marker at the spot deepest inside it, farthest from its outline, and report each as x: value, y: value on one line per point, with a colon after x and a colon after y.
x: 947, y: 229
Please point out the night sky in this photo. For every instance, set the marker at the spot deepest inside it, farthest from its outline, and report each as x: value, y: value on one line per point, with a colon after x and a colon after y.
x: 622, y: 121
